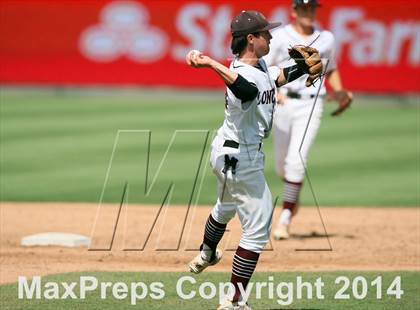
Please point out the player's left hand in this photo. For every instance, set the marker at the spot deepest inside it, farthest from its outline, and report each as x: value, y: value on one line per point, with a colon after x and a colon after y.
x: 196, y: 59
x: 308, y: 60
x: 344, y: 99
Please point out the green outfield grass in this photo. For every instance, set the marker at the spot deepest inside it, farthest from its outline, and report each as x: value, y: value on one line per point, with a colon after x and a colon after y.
x: 170, y: 299
x: 57, y: 145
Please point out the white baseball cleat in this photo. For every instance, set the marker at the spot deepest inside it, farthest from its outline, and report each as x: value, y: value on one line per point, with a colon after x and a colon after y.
x: 281, y: 232
x: 228, y: 305
x: 198, y: 264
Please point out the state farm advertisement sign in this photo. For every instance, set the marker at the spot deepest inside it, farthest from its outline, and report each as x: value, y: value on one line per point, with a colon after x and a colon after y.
x: 145, y: 42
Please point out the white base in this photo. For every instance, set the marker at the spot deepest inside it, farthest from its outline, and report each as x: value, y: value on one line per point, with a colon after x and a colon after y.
x: 56, y: 239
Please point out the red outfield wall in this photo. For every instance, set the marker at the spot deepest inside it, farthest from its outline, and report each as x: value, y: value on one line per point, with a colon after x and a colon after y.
x: 145, y: 42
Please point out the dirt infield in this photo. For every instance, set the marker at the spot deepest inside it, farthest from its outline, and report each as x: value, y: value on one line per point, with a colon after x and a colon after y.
x: 361, y: 239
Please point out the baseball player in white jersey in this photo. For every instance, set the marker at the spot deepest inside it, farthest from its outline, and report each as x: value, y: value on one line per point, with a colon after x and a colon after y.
x: 236, y: 156
x: 296, y: 102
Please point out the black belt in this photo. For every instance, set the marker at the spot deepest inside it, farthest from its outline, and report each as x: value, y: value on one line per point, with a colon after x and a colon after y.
x: 234, y: 144
x: 294, y: 95
x: 231, y: 143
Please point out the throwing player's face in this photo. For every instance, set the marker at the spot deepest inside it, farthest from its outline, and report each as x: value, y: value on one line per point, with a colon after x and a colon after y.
x: 305, y: 14
x: 261, y: 43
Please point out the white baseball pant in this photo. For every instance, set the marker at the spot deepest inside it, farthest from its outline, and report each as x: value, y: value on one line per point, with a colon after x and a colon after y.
x: 290, y: 122
x: 246, y: 193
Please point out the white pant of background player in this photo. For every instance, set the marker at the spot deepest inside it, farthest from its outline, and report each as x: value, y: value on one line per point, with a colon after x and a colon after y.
x: 290, y: 122
x: 244, y: 192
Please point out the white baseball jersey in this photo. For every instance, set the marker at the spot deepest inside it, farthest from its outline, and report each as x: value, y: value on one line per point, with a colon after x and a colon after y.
x: 248, y: 123
x: 285, y: 37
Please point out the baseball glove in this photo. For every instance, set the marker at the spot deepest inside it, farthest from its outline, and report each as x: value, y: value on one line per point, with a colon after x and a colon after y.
x: 344, y: 99
x: 308, y: 60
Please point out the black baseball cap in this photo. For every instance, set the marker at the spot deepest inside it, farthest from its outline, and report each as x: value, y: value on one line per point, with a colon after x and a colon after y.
x: 250, y: 22
x: 295, y: 3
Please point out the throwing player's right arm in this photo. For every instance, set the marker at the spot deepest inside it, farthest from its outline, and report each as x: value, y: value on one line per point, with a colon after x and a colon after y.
x: 198, y: 60
x: 240, y: 87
